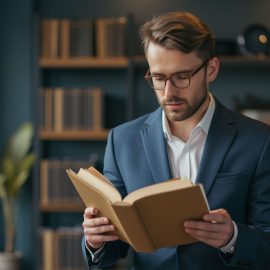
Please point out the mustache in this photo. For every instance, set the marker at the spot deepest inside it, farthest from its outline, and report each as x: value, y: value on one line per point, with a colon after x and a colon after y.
x: 173, y: 100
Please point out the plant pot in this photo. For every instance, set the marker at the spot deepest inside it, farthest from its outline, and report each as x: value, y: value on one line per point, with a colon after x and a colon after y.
x: 10, y: 261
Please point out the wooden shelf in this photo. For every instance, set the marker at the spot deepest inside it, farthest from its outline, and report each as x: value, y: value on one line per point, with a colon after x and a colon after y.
x: 62, y: 207
x: 139, y: 60
x: 245, y: 60
x: 84, y: 62
x: 99, y: 135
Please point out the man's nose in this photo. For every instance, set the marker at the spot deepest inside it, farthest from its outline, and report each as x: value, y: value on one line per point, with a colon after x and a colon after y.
x: 169, y: 89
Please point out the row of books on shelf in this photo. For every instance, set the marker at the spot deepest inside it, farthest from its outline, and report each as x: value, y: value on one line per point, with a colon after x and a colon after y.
x: 67, y: 38
x: 55, y: 186
x: 61, y: 249
x: 65, y: 109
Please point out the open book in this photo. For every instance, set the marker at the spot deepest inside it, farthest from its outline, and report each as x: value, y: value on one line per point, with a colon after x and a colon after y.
x: 148, y: 218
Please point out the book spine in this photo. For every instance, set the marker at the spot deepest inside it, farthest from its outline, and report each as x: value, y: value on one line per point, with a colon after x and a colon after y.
x: 133, y: 226
x: 48, y: 249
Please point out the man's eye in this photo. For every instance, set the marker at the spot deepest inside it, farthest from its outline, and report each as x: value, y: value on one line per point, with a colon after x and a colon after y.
x: 158, y: 78
x: 180, y: 76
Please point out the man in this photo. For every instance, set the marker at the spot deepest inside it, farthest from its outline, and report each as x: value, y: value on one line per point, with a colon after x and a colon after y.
x: 190, y: 136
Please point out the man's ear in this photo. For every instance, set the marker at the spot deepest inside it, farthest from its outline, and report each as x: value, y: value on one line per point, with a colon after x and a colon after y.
x: 212, y: 69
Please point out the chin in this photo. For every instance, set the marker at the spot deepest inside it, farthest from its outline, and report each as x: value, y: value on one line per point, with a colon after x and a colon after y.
x: 176, y: 116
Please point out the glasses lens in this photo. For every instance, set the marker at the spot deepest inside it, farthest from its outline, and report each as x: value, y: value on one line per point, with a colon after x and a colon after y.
x: 158, y: 83
x: 179, y: 81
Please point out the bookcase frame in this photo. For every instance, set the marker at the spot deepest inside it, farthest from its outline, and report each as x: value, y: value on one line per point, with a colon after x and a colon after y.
x: 41, y: 65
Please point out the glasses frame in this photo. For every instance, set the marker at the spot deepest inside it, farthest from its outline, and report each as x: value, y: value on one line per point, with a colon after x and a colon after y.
x: 148, y: 77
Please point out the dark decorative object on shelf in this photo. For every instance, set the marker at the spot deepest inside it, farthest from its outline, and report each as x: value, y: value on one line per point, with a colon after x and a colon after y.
x: 226, y: 47
x: 255, y: 40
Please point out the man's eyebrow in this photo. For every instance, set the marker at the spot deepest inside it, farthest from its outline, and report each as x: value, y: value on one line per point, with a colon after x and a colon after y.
x: 188, y: 71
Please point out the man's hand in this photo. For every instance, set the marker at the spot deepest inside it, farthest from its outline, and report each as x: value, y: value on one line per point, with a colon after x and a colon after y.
x: 96, y: 227
x: 216, y: 229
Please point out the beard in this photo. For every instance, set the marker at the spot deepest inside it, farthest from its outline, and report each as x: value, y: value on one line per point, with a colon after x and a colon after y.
x: 188, y: 108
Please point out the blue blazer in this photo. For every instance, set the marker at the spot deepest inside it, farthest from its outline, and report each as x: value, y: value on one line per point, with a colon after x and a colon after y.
x: 235, y: 172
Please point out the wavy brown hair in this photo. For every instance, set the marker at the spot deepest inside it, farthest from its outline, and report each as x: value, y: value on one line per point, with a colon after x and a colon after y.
x: 181, y: 31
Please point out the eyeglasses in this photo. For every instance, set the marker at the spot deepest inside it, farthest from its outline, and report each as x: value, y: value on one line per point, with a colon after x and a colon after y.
x: 178, y: 80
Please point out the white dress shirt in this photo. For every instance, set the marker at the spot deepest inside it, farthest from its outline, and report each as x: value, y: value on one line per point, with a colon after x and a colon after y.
x: 185, y: 157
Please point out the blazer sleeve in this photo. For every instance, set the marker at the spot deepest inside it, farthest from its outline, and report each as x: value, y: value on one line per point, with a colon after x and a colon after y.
x: 117, y: 249
x: 252, y: 250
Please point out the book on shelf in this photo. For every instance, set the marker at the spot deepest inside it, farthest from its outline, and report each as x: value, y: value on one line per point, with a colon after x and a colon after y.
x: 64, y: 39
x: 54, y: 185
x: 148, y: 218
x: 69, y: 109
x: 81, y: 38
x: 50, y: 32
x: 73, y: 38
x: 60, y: 248
x: 110, y: 37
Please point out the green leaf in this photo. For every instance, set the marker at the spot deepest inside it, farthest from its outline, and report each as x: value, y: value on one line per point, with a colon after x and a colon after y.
x: 20, y: 142
x: 27, y: 162
x: 8, y: 168
x: 18, y: 182
x: 2, y: 185
x: 16, y: 162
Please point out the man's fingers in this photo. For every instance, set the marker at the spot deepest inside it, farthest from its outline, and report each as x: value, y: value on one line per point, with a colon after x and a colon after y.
x: 205, y: 234
x: 209, y: 241
x: 96, y: 222
x: 90, y: 212
x: 214, y: 239
x: 205, y: 226
x: 99, y: 229
x: 219, y: 216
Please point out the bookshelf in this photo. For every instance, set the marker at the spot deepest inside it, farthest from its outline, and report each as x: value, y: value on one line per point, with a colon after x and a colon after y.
x: 74, y: 135
x: 89, y: 62
x: 67, y: 207
x: 68, y: 78
x: 228, y: 60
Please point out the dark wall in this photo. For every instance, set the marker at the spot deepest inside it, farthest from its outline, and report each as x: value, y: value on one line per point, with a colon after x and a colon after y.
x: 16, y: 76
x: 16, y: 99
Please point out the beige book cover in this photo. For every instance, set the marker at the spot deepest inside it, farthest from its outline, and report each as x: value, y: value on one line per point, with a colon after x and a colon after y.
x: 48, y: 249
x: 65, y: 38
x: 148, y: 218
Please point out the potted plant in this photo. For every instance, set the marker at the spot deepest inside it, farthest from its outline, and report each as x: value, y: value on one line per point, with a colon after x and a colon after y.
x: 15, y: 167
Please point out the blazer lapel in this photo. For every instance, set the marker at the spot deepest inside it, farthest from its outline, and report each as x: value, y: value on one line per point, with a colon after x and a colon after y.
x: 220, y: 137
x: 155, y: 147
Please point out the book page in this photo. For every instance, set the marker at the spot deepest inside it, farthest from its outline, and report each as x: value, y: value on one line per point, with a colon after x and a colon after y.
x: 166, y: 186
x: 96, y: 173
x: 204, y: 195
x: 99, y: 185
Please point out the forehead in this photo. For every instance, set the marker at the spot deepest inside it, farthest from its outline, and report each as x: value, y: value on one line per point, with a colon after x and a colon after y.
x: 167, y: 61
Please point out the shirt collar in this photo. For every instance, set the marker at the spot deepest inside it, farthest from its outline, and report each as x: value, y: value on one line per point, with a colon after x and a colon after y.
x: 204, y: 124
